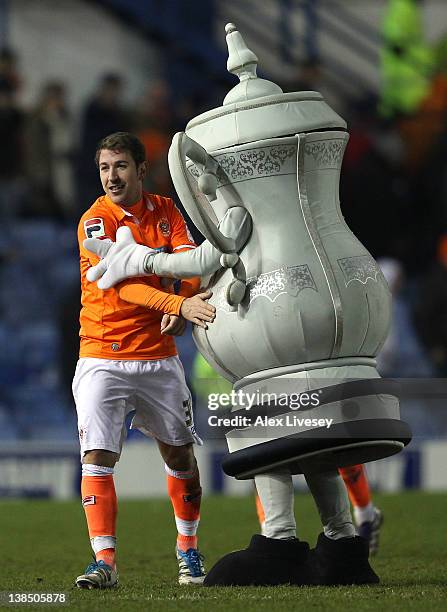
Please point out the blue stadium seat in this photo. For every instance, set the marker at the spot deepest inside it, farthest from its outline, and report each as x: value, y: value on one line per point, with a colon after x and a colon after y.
x: 39, y: 342
x: 8, y: 428
x: 54, y: 433
x: 36, y: 239
x: 37, y: 405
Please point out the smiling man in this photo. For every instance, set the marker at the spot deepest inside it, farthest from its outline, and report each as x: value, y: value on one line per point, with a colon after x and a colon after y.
x: 128, y: 361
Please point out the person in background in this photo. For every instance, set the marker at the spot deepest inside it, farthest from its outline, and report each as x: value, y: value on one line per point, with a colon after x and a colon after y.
x: 403, y: 355
x: 9, y: 68
x: 50, y: 154
x: 431, y: 310
x: 103, y: 114
x: 154, y: 120
x: 12, y: 182
x: 407, y: 61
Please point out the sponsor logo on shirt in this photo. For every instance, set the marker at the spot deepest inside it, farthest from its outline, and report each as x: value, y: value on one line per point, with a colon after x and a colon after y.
x: 94, y: 228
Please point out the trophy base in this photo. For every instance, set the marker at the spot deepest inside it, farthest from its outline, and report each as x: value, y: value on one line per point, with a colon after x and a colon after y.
x: 316, y: 451
x: 355, y: 418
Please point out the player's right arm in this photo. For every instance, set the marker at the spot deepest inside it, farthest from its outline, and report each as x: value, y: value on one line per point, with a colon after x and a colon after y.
x: 195, y: 309
x: 125, y: 258
x: 98, y: 225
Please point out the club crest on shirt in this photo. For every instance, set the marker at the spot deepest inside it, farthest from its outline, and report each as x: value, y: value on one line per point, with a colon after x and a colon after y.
x: 94, y: 228
x: 164, y: 227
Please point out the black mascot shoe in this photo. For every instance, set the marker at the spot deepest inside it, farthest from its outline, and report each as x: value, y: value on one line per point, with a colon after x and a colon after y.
x: 343, y: 561
x: 266, y: 562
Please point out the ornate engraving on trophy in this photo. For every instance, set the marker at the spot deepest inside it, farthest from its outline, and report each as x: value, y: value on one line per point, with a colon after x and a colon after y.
x: 324, y: 154
x: 359, y: 268
x: 291, y: 280
x: 252, y: 163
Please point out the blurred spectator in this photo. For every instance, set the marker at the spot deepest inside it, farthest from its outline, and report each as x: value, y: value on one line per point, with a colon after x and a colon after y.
x: 205, y: 381
x: 414, y: 88
x: 374, y: 193
x: 103, y: 115
x: 422, y: 129
x: 12, y: 185
x: 8, y: 68
x: 406, y: 59
x: 154, y: 126
x: 309, y: 76
x: 50, y: 154
x: 431, y: 312
x: 425, y: 136
x: 155, y: 122
x: 402, y: 355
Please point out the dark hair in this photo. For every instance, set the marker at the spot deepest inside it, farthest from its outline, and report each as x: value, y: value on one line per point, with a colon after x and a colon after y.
x: 122, y: 141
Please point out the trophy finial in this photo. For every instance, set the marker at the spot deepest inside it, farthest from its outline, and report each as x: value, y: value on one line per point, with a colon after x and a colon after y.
x: 243, y: 63
x: 241, y: 60
x: 230, y: 27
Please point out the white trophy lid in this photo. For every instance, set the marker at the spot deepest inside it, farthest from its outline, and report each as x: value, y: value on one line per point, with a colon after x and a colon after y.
x: 256, y: 109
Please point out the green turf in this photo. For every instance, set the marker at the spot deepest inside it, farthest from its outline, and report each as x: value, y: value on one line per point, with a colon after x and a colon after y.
x: 44, y: 546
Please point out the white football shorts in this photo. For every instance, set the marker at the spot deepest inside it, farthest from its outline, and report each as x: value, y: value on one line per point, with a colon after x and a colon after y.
x: 105, y: 391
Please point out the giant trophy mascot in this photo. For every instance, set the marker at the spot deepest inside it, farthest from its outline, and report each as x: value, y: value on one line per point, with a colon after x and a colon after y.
x: 302, y: 307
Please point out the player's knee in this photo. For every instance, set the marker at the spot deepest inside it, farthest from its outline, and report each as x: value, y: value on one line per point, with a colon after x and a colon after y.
x: 100, y: 457
x: 180, y: 458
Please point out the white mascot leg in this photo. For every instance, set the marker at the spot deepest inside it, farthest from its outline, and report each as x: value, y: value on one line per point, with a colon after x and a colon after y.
x: 275, y: 491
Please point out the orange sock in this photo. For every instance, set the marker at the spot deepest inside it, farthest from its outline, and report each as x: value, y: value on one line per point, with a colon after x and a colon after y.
x: 259, y: 510
x: 186, y: 494
x: 357, y: 484
x: 100, y: 506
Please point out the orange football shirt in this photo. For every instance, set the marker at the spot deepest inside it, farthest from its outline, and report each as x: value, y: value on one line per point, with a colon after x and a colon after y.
x: 123, y: 323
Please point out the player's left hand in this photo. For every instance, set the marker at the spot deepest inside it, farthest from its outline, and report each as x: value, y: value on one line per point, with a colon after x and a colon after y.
x: 171, y: 325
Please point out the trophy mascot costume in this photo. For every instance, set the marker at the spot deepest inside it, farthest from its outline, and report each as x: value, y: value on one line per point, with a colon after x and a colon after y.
x: 301, y: 311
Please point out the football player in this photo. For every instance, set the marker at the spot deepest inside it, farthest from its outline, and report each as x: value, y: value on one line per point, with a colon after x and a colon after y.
x: 128, y: 361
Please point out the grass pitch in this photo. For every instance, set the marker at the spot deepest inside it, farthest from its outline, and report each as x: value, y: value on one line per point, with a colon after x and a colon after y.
x: 44, y: 546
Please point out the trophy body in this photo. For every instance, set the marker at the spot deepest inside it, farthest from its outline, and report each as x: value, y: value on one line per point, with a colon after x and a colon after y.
x: 314, y: 309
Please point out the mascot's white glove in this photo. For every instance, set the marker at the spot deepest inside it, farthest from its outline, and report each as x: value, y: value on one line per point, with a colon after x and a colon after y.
x: 119, y: 260
x: 125, y: 258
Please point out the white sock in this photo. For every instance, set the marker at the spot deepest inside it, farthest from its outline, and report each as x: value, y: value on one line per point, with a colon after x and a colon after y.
x: 275, y: 491
x: 102, y: 542
x: 89, y: 469
x: 364, y: 514
x: 331, y: 498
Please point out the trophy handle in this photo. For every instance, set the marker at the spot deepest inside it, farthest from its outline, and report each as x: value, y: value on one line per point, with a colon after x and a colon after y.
x: 196, y: 195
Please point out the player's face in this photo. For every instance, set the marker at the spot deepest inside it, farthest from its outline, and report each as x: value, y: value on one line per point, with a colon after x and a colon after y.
x: 120, y: 178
